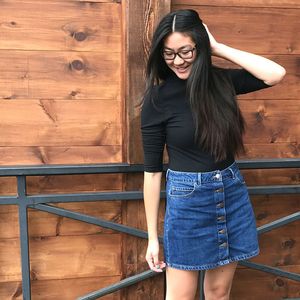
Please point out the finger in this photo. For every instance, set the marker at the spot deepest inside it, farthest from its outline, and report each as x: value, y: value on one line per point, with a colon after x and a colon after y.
x: 157, y: 268
x: 158, y: 265
x: 162, y: 264
x: 150, y: 262
x: 154, y: 263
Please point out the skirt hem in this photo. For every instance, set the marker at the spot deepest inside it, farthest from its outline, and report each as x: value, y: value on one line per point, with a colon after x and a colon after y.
x: 215, y: 265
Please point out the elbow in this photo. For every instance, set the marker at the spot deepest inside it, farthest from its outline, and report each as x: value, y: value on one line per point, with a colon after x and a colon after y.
x: 276, y: 76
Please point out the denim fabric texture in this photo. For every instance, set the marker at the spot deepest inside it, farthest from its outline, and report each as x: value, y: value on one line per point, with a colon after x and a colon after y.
x: 209, y: 220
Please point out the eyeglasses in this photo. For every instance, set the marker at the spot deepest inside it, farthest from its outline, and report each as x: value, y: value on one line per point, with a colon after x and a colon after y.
x: 184, y: 54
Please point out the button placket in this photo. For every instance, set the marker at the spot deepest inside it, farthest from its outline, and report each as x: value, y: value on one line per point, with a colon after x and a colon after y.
x: 221, y: 231
x: 220, y: 205
x: 221, y: 219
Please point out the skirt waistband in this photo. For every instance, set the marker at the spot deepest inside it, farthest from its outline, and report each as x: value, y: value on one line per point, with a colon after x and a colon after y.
x: 199, y: 177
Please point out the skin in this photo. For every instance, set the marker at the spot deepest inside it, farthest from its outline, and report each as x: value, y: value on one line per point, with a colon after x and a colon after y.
x: 175, y: 42
x: 182, y: 284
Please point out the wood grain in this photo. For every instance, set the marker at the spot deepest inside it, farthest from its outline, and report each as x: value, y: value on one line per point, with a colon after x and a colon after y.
x: 268, y: 208
x: 52, y: 123
x: 61, y: 104
x: 272, y: 176
x: 278, y: 150
x: 64, y: 25
x: 238, y: 3
x: 43, y: 112
x: 59, y: 75
x: 273, y: 32
x: 72, y: 74
x: 90, y: 134
x: 141, y: 17
x: 63, y: 184
x: 42, y: 224
x: 36, y: 155
x: 280, y: 247
x: 267, y: 286
x: 68, y: 289
x: 271, y: 121
x: 63, y: 257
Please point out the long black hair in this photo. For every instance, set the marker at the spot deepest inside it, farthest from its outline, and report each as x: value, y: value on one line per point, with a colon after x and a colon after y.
x: 219, y: 124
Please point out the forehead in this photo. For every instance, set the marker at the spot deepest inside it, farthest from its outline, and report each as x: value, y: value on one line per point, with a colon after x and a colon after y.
x: 176, y: 40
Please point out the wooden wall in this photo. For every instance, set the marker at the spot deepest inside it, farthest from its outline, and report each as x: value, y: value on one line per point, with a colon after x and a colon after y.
x: 71, y: 75
x: 268, y: 28
x: 61, y: 102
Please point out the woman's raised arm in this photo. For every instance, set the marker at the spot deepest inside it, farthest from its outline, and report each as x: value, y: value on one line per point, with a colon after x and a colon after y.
x: 263, y: 68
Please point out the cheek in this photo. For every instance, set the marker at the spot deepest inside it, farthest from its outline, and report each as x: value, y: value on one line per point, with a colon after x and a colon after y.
x: 168, y: 63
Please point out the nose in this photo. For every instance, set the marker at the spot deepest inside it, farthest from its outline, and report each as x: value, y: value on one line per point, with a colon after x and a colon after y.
x: 178, y: 60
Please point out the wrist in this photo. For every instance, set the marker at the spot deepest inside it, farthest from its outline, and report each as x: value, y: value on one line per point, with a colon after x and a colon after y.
x: 153, y: 238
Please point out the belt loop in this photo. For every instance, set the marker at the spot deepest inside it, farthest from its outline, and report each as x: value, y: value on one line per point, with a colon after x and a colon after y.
x: 167, y: 173
x: 199, y: 178
x: 232, y: 172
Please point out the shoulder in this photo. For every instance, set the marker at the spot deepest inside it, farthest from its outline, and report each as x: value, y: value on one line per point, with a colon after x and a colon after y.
x: 153, y: 110
x: 153, y: 99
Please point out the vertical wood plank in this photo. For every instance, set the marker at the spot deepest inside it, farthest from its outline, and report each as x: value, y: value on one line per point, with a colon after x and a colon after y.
x: 140, y: 19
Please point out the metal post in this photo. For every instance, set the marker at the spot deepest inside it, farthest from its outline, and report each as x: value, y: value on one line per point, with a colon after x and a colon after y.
x: 201, y: 283
x: 24, y: 241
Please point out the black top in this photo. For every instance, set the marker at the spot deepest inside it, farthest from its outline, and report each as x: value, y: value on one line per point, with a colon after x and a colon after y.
x: 171, y: 123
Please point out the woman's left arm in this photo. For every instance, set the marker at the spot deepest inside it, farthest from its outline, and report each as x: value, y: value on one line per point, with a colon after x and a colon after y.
x: 263, y: 68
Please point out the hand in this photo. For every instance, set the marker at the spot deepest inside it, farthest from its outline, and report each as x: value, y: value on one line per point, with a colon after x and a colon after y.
x: 152, y: 256
x: 213, y: 43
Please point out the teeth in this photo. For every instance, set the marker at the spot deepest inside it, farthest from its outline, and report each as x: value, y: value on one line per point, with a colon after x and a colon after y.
x: 181, y: 69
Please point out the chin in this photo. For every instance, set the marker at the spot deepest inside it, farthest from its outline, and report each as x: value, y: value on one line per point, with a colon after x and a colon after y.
x: 182, y: 75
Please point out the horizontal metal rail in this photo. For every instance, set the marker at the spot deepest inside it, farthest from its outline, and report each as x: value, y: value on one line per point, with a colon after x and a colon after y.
x: 120, y: 285
x: 91, y: 220
x: 130, y: 195
x: 143, y: 234
x: 272, y: 270
x: 279, y: 223
x: 38, y: 170
x: 39, y: 202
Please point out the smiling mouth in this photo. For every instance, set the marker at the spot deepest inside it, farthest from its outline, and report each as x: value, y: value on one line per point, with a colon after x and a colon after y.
x: 181, y: 70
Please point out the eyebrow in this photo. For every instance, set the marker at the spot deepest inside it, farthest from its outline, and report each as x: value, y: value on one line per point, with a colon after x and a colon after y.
x: 178, y: 48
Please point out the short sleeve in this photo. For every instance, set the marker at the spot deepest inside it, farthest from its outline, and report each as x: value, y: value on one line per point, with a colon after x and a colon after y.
x: 153, y: 131
x: 244, y: 82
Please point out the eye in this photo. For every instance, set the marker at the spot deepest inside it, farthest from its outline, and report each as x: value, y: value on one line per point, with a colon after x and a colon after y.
x: 169, y: 53
x: 185, y: 51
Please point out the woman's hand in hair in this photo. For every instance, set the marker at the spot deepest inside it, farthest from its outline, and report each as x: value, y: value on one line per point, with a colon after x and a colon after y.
x: 260, y: 67
x: 213, y: 43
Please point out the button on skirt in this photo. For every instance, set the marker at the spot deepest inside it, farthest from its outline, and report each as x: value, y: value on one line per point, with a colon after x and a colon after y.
x: 209, y: 219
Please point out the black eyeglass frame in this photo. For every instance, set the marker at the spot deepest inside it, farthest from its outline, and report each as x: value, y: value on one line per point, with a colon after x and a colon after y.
x: 178, y: 53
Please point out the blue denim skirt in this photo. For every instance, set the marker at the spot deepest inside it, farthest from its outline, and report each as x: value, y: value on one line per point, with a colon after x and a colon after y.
x: 209, y: 220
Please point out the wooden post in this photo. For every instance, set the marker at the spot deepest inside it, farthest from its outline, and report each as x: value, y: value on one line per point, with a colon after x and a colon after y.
x: 139, y: 21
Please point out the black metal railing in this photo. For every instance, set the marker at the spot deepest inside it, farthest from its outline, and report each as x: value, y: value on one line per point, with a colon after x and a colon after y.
x: 41, y: 202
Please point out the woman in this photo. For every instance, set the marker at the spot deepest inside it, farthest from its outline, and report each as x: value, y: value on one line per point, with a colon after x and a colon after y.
x: 190, y: 106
